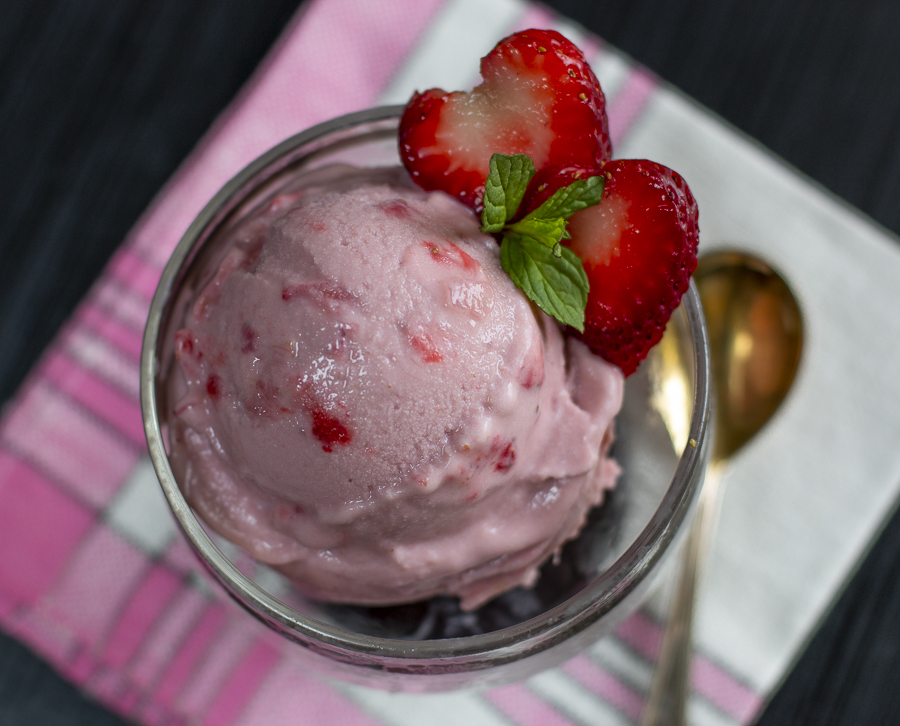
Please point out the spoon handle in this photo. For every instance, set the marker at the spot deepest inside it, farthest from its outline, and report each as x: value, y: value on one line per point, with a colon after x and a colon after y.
x: 667, y: 703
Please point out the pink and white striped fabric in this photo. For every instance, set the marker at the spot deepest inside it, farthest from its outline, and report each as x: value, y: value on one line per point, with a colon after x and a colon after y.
x: 101, y: 584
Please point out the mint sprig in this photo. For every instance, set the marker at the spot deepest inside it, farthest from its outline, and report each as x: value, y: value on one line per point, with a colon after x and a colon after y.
x: 550, y: 275
x: 556, y: 284
x: 580, y: 194
x: 548, y: 232
x: 504, y: 189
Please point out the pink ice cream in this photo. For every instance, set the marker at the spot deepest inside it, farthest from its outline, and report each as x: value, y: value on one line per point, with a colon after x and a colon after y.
x: 366, y: 402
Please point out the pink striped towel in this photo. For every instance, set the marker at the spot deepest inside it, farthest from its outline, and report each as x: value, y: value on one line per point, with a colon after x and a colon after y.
x: 102, y: 585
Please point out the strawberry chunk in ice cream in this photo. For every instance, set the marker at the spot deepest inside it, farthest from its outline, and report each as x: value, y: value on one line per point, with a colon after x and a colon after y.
x: 365, y: 401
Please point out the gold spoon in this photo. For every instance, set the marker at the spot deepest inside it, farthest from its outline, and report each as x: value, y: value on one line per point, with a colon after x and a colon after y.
x: 755, y: 335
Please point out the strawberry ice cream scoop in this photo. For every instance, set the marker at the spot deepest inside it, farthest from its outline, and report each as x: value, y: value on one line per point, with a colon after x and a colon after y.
x: 365, y: 401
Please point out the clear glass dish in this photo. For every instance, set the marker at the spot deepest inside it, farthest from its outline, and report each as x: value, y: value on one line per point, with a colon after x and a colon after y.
x: 430, y: 646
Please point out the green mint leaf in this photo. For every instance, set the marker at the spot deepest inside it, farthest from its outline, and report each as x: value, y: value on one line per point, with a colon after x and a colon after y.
x: 580, y: 194
x: 549, y: 274
x: 504, y: 188
x: 557, y: 285
x: 546, y: 231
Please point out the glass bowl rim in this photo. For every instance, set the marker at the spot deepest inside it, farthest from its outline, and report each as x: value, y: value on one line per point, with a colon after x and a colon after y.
x: 551, y: 626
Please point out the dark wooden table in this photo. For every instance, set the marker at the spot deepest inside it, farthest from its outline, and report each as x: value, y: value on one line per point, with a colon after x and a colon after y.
x: 101, y: 99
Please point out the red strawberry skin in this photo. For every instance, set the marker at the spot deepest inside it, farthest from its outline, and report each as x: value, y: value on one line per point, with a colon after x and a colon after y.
x: 639, y: 249
x: 539, y: 97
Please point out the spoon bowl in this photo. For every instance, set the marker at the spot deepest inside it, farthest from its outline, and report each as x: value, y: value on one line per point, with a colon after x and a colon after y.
x: 756, y: 335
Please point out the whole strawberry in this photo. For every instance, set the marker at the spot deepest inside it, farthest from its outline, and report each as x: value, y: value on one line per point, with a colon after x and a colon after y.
x: 539, y: 97
x: 639, y: 249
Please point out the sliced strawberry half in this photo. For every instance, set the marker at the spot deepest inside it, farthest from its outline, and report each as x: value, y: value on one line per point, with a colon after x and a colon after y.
x: 539, y: 97
x: 639, y: 249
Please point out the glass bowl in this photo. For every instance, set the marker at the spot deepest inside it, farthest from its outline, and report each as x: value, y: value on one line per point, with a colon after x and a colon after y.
x: 584, y: 594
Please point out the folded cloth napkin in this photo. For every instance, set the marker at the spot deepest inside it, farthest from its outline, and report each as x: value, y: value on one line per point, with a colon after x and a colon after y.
x: 97, y: 580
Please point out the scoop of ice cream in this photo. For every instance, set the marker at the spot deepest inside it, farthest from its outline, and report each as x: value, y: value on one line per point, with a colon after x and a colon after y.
x: 365, y: 400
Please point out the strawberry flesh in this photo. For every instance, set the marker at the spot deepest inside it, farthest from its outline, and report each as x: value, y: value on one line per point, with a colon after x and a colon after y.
x: 539, y: 97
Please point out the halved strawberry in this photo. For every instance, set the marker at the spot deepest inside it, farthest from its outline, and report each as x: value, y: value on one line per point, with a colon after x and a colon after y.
x: 639, y: 249
x: 539, y: 97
